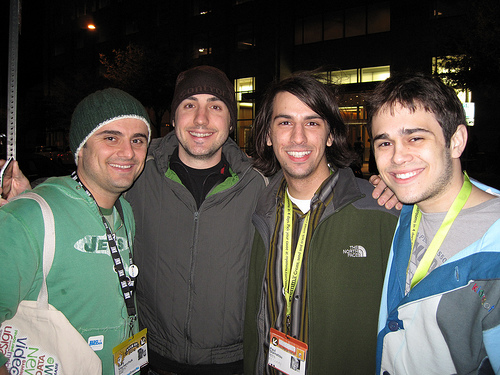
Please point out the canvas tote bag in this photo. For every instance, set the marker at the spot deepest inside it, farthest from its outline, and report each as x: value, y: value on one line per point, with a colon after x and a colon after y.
x: 39, y: 338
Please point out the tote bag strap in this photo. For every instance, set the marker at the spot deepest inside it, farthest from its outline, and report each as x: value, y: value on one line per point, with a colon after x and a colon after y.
x: 49, y: 245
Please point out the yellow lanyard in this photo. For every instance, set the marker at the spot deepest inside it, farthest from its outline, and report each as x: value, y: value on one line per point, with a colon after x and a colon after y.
x: 438, y: 239
x: 291, y: 271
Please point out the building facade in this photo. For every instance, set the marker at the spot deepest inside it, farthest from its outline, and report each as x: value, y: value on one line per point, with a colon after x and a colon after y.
x: 356, y: 43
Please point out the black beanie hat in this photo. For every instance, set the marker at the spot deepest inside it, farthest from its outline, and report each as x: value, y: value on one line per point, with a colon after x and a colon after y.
x: 204, y: 80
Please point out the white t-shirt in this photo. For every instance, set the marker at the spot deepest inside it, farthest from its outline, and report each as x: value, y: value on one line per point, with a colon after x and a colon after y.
x: 303, y: 204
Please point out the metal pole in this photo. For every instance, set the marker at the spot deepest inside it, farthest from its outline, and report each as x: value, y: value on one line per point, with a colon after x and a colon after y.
x: 14, y: 28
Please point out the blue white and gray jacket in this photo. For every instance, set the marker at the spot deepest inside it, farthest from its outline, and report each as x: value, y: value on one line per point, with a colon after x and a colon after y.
x: 449, y: 323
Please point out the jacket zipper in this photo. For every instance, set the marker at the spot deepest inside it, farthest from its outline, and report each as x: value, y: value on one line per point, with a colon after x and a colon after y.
x: 187, y: 327
x: 196, y: 219
x: 262, y: 228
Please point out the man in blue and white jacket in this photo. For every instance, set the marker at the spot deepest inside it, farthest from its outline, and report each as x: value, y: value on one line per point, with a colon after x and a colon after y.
x: 440, y: 310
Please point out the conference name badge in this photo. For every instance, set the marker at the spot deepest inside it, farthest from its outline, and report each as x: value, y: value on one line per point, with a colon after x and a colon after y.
x: 287, y: 354
x: 132, y: 354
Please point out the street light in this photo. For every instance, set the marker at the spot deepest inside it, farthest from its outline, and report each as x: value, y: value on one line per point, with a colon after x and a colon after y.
x: 91, y: 26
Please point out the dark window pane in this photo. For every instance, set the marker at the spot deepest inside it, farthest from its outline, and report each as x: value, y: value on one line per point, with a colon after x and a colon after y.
x: 246, y: 38
x: 379, y: 18
x: 298, y: 32
x: 355, y: 21
x: 312, y: 29
x: 334, y: 26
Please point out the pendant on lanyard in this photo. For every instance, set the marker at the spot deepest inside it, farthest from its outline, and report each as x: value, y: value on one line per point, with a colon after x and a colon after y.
x: 438, y: 239
x: 291, y: 271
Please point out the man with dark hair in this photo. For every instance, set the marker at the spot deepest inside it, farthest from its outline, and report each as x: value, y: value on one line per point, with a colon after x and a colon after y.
x: 88, y: 281
x: 193, y: 206
x: 439, y: 311
x: 321, y: 241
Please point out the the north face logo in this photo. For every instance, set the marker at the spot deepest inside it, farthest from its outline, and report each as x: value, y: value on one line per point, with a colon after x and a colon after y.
x: 356, y: 251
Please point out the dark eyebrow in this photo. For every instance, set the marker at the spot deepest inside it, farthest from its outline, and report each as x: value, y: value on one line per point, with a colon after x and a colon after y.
x: 214, y: 99
x: 116, y: 132
x: 314, y: 117
x: 142, y: 135
x: 403, y: 132
x: 415, y: 130
x: 280, y: 115
x: 311, y: 117
x: 110, y: 132
x: 380, y: 136
x: 211, y: 99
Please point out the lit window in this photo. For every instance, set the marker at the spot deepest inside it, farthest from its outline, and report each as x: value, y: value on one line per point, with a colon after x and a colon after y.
x: 352, y: 115
x: 245, y: 89
x: 244, y: 86
x: 348, y: 76
x: 375, y: 74
x: 344, y: 77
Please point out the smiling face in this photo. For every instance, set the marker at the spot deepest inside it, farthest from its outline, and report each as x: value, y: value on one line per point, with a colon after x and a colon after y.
x: 202, y: 126
x: 112, y: 158
x: 413, y: 159
x: 299, y: 137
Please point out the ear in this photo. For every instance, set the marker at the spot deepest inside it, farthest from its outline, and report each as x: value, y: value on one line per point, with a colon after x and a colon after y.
x: 458, y: 141
x: 268, y: 140
x: 173, y: 123
x: 329, y: 141
x: 80, y: 154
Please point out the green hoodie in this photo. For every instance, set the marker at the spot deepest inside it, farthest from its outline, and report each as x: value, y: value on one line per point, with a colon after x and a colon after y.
x: 82, y: 283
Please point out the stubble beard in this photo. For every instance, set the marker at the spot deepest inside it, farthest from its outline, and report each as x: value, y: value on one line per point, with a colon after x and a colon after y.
x: 438, y: 187
x: 208, y: 154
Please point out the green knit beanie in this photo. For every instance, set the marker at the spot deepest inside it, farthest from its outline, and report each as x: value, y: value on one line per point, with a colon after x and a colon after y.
x: 99, y: 109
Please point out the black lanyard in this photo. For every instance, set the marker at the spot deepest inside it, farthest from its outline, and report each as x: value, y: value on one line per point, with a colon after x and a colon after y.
x: 126, y: 283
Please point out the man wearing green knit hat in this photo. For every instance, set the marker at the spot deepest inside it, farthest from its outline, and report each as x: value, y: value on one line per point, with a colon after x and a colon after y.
x: 91, y: 280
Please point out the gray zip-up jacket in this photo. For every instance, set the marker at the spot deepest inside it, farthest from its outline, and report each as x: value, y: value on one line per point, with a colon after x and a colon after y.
x: 193, y: 263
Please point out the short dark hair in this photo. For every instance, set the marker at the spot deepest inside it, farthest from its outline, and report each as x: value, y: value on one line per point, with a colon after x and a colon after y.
x: 322, y: 99
x: 414, y: 90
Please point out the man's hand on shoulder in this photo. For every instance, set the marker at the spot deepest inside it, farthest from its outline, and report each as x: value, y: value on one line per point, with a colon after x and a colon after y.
x: 18, y: 183
x: 384, y: 195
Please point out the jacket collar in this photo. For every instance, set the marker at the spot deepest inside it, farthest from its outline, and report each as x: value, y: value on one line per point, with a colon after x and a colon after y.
x: 342, y: 181
x: 161, y: 150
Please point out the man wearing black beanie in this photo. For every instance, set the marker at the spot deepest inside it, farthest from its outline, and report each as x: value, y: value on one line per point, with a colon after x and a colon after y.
x: 193, y: 206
